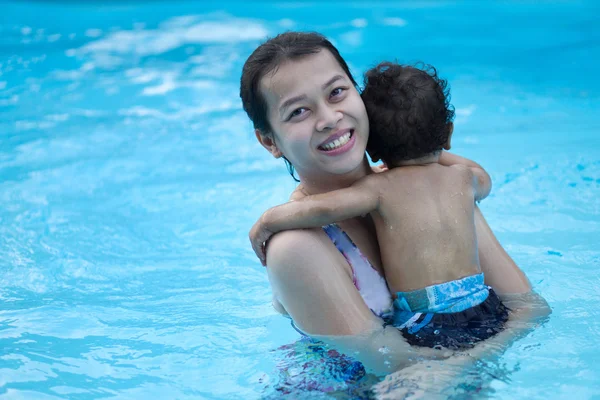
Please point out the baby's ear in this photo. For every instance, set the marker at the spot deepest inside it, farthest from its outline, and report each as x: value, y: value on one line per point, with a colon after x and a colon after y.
x: 268, y: 142
x: 449, y: 140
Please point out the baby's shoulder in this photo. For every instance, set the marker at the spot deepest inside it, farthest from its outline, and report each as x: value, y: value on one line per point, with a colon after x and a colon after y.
x: 459, y: 172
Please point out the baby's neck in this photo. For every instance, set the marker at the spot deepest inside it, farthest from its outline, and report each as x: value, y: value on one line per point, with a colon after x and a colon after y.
x: 432, y: 158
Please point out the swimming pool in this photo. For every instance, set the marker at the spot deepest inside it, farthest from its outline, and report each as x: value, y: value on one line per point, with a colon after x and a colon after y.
x: 129, y: 178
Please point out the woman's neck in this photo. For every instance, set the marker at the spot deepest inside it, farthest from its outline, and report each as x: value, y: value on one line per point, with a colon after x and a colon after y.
x: 329, y: 182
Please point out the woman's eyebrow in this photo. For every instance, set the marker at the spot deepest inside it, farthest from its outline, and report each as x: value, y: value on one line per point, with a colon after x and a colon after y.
x: 291, y: 101
x: 301, y: 97
x: 331, y: 81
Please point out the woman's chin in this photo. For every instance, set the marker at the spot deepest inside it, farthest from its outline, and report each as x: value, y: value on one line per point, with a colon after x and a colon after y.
x: 349, y: 164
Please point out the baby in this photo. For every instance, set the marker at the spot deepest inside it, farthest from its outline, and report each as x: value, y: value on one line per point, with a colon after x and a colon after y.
x: 423, y: 212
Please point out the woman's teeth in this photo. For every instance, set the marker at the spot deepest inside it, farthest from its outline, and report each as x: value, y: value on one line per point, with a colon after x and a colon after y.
x: 337, y: 143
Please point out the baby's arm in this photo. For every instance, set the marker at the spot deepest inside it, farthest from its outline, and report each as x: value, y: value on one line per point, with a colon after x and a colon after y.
x: 449, y: 159
x: 314, y: 211
x: 476, y: 178
x: 482, y: 183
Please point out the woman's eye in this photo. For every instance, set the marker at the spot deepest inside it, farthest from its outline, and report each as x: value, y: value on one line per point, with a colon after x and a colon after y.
x: 337, y: 92
x: 297, y: 112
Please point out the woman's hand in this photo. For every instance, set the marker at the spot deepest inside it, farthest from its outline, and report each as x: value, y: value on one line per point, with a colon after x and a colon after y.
x: 259, y: 236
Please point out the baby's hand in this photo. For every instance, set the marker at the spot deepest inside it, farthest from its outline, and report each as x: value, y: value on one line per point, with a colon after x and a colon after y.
x: 259, y: 235
x: 379, y: 168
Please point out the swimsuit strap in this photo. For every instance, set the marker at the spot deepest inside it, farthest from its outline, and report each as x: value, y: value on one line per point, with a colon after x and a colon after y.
x: 371, y: 286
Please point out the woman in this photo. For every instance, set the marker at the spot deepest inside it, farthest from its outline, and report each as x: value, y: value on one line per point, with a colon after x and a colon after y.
x: 302, y: 99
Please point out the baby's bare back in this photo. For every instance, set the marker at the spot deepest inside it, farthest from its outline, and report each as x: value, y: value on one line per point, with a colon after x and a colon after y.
x: 425, y: 225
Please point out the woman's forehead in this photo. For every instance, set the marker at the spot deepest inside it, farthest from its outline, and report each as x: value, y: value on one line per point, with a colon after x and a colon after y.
x: 300, y: 76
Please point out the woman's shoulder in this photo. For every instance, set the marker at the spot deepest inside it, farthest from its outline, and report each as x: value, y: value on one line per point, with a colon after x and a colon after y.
x: 286, y: 246
x: 312, y: 282
x: 295, y: 253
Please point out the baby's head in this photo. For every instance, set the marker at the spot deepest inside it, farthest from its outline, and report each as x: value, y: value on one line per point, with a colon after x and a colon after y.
x: 409, y: 110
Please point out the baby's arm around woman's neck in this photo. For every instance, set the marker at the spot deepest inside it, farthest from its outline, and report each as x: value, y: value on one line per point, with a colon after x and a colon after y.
x: 323, y: 209
x: 314, y: 212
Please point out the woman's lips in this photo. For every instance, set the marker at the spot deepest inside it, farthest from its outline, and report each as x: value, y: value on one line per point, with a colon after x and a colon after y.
x: 338, y: 143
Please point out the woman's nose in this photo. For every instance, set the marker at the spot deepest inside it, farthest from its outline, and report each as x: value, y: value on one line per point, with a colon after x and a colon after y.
x: 328, y: 118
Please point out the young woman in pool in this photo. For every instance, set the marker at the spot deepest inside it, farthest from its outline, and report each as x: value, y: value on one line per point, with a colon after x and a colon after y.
x: 303, y: 101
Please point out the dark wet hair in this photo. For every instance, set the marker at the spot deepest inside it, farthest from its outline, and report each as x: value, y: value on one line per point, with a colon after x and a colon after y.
x: 267, y: 58
x: 409, y: 111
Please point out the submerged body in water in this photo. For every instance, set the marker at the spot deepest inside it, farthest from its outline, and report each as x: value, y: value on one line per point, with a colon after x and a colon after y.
x: 329, y: 364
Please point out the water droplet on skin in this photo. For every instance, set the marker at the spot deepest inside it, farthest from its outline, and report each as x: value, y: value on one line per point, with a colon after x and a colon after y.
x: 384, y: 350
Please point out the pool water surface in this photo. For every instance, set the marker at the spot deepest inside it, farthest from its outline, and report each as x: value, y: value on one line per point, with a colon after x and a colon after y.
x: 130, y: 176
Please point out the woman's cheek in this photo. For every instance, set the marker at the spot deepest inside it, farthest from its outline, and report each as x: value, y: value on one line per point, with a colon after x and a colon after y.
x: 298, y: 137
x: 303, y: 129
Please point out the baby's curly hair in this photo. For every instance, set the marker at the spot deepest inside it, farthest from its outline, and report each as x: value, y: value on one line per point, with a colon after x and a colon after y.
x: 409, y: 112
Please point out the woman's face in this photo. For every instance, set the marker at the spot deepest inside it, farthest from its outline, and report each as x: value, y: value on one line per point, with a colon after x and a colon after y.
x: 318, y: 119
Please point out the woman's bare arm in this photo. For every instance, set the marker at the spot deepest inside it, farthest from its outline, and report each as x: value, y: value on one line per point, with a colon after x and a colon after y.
x: 310, y: 280
x: 499, y: 269
x: 439, y: 378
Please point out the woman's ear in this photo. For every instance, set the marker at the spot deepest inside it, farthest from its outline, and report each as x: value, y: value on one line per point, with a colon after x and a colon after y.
x: 450, y: 129
x: 268, y: 142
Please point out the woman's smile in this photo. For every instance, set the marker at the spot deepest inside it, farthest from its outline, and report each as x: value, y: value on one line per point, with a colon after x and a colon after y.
x: 338, y: 143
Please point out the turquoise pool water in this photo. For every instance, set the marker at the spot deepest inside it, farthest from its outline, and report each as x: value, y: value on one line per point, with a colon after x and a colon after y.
x: 129, y: 178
